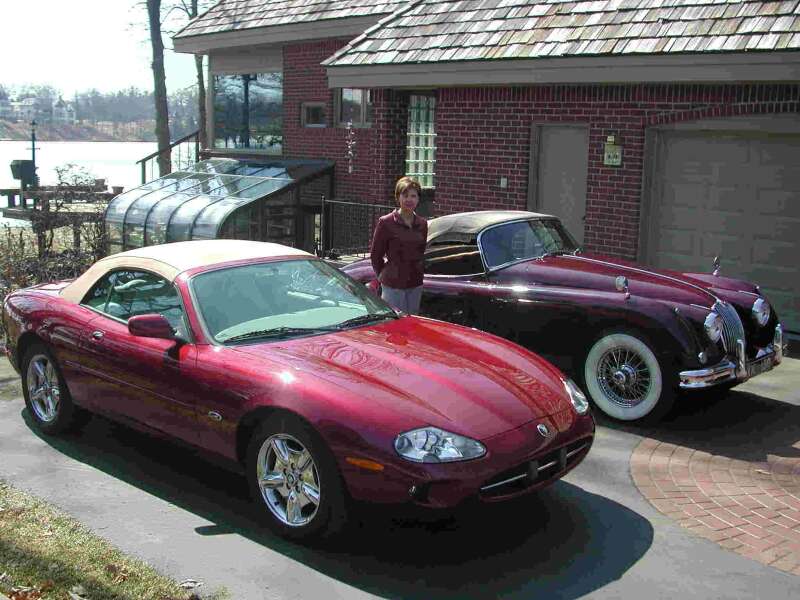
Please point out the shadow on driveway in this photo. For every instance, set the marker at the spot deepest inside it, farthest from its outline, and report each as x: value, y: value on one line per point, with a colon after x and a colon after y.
x: 563, y: 542
x: 740, y: 425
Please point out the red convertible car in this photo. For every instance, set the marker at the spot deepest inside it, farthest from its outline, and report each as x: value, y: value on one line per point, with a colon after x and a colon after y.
x: 271, y: 358
x: 633, y: 336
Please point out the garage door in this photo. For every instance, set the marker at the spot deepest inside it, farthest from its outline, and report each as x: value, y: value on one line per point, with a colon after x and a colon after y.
x: 735, y: 195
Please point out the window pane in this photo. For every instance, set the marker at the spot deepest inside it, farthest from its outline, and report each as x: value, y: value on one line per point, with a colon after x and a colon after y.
x: 351, y: 106
x: 421, y: 144
x: 248, y: 111
x: 313, y: 115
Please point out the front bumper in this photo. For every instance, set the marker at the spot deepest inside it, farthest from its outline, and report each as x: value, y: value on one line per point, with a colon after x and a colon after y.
x: 739, y: 370
x: 517, y: 462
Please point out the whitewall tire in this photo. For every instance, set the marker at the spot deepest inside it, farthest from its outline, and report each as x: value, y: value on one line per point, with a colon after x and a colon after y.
x: 624, y: 378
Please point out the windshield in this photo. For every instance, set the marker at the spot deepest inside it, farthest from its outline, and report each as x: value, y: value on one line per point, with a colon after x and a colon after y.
x: 522, y: 240
x: 282, y: 299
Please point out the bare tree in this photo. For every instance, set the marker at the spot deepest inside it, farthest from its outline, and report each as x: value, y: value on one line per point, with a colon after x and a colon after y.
x: 188, y: 10
x: 160, y: 87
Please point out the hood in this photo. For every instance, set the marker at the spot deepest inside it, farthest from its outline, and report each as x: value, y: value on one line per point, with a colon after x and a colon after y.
x: 588, y: 271
x: 426, y: 372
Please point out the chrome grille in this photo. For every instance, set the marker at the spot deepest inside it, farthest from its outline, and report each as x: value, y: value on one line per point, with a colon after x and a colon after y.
x: 732, y: 328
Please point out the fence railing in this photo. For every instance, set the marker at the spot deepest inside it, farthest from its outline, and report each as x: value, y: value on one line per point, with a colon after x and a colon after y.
x: 346, y: 227
x: 183, y: 152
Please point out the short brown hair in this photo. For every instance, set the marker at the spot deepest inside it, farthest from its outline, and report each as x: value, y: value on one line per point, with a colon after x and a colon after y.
x: 403, y: 184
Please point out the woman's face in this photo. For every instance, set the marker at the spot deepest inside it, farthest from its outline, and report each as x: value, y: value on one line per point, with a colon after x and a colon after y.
x: 408, y: 199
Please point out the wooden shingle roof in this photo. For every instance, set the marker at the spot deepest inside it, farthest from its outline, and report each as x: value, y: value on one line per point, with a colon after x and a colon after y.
x: 239, y: 15
x: 429, y: 31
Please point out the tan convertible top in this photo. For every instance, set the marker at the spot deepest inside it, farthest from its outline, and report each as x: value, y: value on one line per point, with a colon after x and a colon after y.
x: 168, y: 260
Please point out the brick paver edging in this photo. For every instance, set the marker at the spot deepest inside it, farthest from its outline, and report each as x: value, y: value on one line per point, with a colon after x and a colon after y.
x: 752, y: 508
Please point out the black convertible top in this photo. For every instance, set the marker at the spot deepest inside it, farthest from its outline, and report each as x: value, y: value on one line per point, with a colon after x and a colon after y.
x: 462, y: 226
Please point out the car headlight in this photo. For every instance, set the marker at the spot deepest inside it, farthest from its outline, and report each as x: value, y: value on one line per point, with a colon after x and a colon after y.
x: 761, y: 311
x: 713, y: 325
x: 577, y: 397
x: 433, y: 445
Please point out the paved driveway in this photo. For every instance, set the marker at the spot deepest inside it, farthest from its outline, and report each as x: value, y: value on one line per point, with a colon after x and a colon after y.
x: 594, y: 533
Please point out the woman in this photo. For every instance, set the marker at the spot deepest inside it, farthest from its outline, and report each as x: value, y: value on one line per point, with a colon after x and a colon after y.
x: 398, y: 246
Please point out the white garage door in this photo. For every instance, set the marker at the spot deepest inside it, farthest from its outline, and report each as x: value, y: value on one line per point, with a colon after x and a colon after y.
x: 735, y: 195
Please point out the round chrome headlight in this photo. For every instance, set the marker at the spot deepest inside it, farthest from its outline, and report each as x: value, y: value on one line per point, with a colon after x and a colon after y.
x: 761, y: 311
x: 713, y: 325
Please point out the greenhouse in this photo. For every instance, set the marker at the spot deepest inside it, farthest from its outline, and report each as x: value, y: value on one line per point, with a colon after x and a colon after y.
x: 276, y: 201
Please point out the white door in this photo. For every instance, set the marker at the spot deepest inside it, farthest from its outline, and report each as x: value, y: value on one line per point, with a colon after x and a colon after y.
x: 735, y: 195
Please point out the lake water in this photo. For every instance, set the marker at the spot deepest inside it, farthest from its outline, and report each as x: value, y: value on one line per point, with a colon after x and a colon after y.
x: 113, y: 161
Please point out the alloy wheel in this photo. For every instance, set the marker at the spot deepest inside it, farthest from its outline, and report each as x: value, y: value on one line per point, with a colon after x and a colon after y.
x: 288, y: 480
x: 43, y: 388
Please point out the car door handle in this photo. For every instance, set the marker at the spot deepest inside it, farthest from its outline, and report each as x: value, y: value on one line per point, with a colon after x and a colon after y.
x: 98, y: 335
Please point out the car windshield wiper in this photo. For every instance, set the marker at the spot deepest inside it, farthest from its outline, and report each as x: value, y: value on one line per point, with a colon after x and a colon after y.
x: 364, y: 319
x: 278, y: 332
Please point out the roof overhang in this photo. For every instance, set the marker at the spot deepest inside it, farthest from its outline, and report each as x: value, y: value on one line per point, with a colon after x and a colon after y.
x: 276, y: 34
x: 695, y: 68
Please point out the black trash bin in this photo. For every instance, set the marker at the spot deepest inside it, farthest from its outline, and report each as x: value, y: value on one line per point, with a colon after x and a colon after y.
x: 24, y: 171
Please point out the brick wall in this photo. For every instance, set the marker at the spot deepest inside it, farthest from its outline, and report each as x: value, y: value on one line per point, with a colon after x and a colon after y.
x: 483, y: 133
x: 376, y: 164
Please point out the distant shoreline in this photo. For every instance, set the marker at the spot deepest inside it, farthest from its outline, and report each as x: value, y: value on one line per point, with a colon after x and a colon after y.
x: 20, y: 131
x: 88, y: 141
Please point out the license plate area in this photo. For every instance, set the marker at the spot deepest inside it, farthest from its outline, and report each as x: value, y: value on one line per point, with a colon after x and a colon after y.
x: 762, y: 365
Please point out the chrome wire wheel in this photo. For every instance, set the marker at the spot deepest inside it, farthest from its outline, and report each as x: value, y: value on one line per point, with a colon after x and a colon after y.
x: 288, y: 480
x: 44, y: 389
x: 624, y: 377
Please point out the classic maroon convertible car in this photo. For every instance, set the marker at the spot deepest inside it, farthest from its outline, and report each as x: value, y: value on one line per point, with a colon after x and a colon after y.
x: 275, y: 360
x: 631, y: 335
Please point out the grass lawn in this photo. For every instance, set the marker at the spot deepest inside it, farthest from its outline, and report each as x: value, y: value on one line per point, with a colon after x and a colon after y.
x: 46, y: 554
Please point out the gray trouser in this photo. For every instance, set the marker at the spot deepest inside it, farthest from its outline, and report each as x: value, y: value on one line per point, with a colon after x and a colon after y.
x: 406, y: 300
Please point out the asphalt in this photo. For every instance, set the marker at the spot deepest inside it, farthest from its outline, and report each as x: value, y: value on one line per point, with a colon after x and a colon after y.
x: 592, y: 534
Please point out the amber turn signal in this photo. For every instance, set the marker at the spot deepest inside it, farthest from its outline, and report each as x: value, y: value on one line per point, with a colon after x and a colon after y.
x: 370, y: 465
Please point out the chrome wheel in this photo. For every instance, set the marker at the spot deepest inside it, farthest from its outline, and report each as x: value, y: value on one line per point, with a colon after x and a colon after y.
x: 624, y: 377
x: 288, y: 480
x: 44, y: 390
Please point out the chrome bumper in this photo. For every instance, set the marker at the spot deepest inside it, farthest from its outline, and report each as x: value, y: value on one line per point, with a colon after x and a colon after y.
x: 728, y: 370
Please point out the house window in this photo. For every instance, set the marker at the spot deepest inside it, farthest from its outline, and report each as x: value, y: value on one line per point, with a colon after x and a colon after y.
x: 421, y: 146
x: 248, y: 111
x: 354, y: 106
x: 312, y: 114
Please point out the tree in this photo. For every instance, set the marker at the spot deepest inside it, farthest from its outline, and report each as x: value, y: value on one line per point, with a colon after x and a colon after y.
x: 160, y: 87
x: 190, y: 9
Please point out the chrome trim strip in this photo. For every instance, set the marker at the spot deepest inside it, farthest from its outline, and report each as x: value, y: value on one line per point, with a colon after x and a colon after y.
x: 547, y: 466
x: 777, y: 343
x: 574, y: 452
x: 493, y: 485
x: 703, y: 378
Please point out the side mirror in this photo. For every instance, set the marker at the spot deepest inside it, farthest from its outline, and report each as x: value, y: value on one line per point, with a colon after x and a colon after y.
x: 152, y: 326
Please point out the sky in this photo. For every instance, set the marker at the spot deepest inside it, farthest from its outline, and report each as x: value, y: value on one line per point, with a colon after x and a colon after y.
x: 76, y: 45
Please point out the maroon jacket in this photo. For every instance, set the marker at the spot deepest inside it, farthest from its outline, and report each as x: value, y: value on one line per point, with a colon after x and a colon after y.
x: 403, y: 247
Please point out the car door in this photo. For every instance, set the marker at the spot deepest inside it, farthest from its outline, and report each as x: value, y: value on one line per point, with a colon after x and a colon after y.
x: 66, y: 329
x: 146, y: 380
x: 454, y: 286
